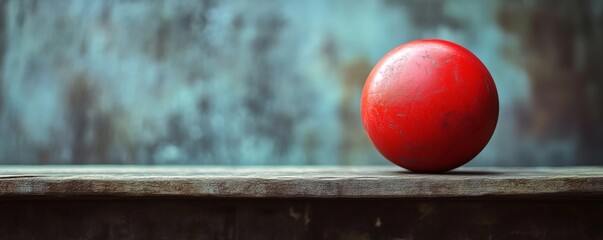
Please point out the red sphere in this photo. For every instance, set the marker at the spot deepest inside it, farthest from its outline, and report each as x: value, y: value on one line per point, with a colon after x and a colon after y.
x: 429, y: 106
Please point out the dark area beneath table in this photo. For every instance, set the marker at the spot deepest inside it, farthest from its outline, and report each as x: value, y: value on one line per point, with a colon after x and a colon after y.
x: 173, y: 218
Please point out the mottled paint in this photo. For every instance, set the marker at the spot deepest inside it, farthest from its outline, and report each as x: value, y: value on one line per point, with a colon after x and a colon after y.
x: 278, y: 82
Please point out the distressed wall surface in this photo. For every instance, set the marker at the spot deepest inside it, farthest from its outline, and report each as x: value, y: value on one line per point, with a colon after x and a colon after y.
x: 278, y: 82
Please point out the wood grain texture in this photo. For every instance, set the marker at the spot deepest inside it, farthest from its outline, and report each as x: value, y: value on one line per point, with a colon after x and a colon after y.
x: 296, y: 182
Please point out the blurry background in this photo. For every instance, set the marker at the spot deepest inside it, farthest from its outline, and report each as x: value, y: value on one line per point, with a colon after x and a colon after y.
x: 279, y: 82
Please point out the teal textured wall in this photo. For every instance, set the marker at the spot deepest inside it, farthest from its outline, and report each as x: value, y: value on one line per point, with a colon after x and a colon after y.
x: 278, y: 82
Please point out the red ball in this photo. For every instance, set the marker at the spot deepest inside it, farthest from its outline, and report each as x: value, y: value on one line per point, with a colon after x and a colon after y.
x: 429, y: 106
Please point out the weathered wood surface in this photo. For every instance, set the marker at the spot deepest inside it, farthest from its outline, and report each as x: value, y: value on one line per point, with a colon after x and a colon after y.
x: 299, y: 203
x: 296, y: 181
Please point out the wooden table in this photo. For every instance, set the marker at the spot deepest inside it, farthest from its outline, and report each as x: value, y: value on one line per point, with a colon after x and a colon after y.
x: 299, y: 202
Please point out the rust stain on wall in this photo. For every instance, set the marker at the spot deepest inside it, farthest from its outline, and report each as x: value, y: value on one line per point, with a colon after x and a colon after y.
x: 560, y: 48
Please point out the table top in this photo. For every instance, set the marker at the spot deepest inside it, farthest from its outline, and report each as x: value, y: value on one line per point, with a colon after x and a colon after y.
x: 296, y: 182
